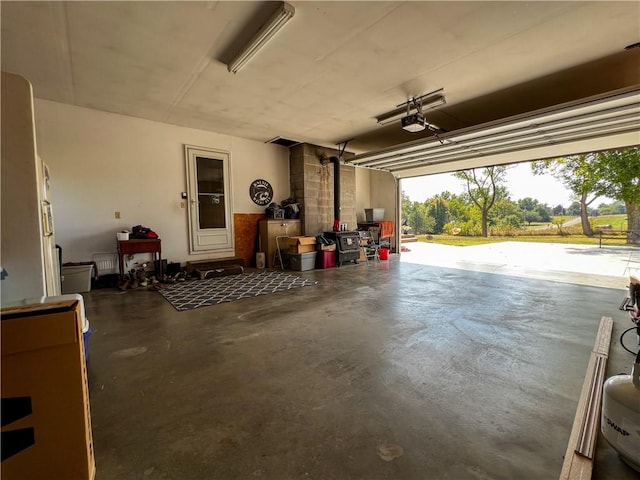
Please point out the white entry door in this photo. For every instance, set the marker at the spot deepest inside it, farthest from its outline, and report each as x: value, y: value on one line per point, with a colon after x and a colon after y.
x: 210, y: 204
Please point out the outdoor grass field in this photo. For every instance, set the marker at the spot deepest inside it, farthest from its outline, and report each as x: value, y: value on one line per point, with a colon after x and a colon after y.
x: 574, y: 239
x: 550, y: 233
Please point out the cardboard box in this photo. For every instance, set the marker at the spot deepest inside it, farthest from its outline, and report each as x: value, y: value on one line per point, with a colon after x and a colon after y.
x: 45, y: 397
x: 328, y: 248
x: 302, y: 244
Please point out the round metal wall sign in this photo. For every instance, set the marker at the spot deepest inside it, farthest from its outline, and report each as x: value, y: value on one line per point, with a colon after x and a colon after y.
x: 261, y: 192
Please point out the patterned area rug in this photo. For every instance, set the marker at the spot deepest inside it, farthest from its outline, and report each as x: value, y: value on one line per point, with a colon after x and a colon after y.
x: 201, y: 293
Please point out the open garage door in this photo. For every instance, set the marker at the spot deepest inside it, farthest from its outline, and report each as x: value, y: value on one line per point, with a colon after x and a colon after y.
x: 597, y: 123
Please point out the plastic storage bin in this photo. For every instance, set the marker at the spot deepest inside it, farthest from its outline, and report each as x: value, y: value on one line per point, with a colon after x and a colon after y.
x: 302, y: 261
x: 325, y: 259
x: 76, y: 278
x: 373, y: 214
x: 86, y: 333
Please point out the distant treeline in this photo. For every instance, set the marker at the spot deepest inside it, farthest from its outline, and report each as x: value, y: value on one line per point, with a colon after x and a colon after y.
x: 457, y: 214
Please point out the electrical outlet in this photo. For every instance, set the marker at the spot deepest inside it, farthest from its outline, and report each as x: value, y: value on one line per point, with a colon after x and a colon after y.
x: 183, y: 204
x: 117, y: 215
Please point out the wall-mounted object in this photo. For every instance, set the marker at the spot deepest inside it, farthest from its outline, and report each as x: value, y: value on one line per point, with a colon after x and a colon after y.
x: 261, y: 192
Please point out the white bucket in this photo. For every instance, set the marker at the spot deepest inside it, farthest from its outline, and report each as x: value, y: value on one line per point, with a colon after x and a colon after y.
x: 260, y: 260
x: 122, y: 235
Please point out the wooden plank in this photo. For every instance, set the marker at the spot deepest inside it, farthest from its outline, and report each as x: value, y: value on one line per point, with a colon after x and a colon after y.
x: 578, y: 459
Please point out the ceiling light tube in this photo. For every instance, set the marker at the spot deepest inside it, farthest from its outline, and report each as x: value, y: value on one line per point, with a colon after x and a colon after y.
x: 282, y: 15
x: 400, y: 112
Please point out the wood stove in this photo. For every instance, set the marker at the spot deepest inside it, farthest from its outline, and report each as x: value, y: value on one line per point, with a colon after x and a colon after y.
x: 347, y: 242
x: 347, y: 246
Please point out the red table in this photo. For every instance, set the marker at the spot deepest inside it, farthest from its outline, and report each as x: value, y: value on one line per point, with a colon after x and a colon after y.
x: 145, y: 245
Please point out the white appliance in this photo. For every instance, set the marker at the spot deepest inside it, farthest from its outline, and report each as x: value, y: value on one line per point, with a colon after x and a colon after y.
x: 28, y: 248
x: 620, y: 422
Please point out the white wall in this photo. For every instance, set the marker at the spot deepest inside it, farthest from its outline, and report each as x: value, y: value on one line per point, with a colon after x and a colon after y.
x: 375, y: 188
x: 101, y: 163
x: 363, y: 192
x: 384, y: 193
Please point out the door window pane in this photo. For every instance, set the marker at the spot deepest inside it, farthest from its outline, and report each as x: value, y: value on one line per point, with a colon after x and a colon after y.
x: 211, y: 195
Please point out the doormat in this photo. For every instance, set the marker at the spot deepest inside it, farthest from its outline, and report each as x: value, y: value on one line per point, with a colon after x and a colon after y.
x: 202, y: 293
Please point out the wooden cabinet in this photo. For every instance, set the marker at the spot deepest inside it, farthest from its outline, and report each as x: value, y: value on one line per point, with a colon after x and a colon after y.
x: 270, y: 229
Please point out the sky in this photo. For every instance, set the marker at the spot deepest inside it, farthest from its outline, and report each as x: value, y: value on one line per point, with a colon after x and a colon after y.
x: 521, y: 183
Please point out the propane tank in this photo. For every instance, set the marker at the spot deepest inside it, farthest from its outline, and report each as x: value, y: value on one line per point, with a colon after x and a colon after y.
x: 620, y: 422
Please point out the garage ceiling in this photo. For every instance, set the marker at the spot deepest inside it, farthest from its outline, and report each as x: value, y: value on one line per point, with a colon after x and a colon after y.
x: 333, y: 68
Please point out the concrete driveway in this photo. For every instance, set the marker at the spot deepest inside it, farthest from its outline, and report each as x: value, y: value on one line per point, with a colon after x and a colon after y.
x: 566, y: 263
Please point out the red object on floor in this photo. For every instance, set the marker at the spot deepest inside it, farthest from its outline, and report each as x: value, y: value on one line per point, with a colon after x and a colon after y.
x: 326, y: 259
x: 384, y: 253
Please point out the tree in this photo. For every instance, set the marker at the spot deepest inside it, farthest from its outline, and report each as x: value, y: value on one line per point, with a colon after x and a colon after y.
x: 415, y: 216
x: 438, y: 209
x: 558, y: 210
x: 405, y: 210
x: 505, y: 213
x: 527, y: 204
x: 405, y: 205
x: 482, y: 185
x: 579, y: 174
x: 531, y: 206
x: 574, y: 209
x: 620, y: 171
x: 530, y: 217
x: 614, y: 208
x: 544, y: 211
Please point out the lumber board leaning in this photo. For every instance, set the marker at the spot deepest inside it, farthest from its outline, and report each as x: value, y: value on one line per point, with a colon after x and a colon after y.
x: 578, y: 459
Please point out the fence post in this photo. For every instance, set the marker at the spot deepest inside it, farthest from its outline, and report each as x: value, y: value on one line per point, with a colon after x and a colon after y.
x: 600, y: 238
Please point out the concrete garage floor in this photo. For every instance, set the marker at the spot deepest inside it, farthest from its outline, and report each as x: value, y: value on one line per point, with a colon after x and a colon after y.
x: 395, y: 370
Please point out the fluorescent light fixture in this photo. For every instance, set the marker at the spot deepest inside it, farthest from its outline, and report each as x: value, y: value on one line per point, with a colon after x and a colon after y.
x: 427, y: 101
x: 282, y: 15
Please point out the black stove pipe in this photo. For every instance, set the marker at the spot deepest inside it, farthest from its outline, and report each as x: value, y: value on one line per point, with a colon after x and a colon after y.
x: 336, y: 192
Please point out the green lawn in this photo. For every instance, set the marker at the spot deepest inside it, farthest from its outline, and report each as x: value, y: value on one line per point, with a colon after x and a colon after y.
x: 572, y: 234
x: 617, y: 222
x: 470, y: 241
